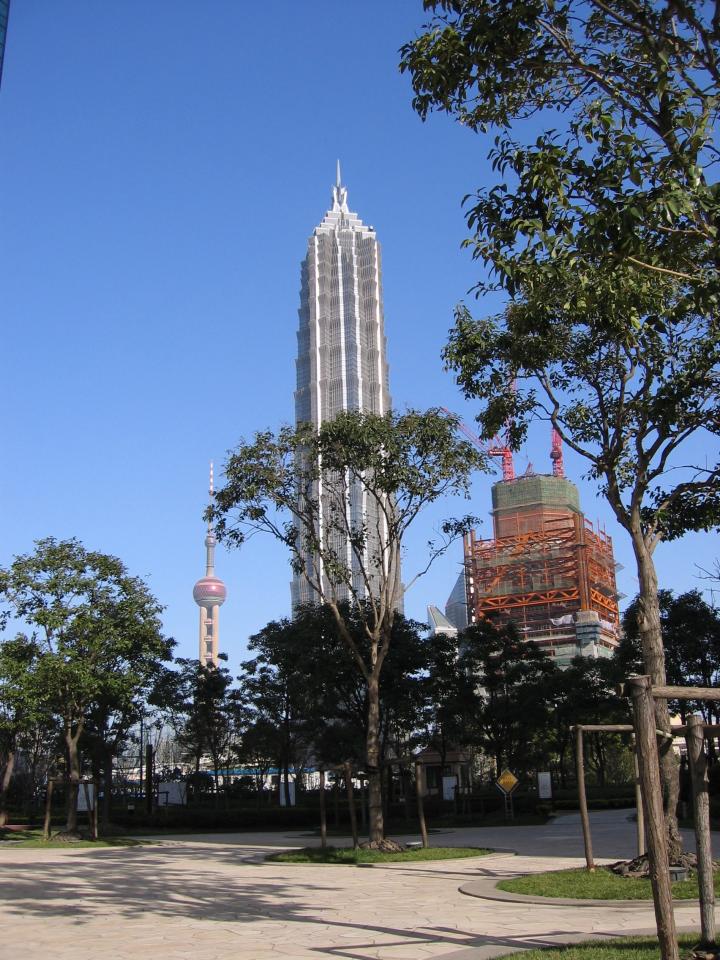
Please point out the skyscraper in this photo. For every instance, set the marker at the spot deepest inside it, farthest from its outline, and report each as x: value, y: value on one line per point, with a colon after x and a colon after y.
x: 209, y: 594
x: 341, y: 361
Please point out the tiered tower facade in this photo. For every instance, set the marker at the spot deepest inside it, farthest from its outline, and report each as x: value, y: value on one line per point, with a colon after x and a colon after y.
x: 341, y: 362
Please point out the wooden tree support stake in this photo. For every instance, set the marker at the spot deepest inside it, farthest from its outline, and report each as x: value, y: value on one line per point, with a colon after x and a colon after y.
x: 351, y: 806
x: 640, y: 815
x: 649, y: 768
x: 420, y: 807
x: 48, y: 809
x: 323, y: 814
x: 701, y: 811
x: 582, y: 799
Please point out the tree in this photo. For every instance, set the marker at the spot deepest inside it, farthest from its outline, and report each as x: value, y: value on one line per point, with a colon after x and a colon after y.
x: 627, y: 404
x: 514, y: 716
x: 584, y: 692
x: 303, y: 683
x: 208, y: 714
x: 279, y: 686
x: 452, y: 700
x: 97, y: 632
x: 631, y: 181
x: 23, y: 708
x: 296, y: 486
x: 604, y: 240
x: 691, y: 638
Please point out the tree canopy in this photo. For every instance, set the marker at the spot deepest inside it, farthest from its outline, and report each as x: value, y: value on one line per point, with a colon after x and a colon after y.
x: 96, y: 635
x: 625, y: 93
x: 296, y: 485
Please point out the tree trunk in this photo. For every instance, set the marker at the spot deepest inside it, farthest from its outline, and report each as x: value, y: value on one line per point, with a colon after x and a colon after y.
x: 649, y: 626
x: 6, y: 778
x: 374, y: 774
x: 73, y: 783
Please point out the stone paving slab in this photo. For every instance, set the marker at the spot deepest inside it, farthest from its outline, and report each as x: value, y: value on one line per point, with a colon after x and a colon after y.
x: 210, y: 898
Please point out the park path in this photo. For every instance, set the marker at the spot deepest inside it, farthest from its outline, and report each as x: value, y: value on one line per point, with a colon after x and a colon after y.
x: 212, y: 898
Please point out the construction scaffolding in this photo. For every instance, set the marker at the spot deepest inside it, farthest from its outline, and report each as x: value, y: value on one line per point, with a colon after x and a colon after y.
x: 547, y: 569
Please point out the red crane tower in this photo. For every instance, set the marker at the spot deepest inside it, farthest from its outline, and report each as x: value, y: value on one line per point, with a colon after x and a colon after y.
x: 495, y: 448
x: 556, y: 454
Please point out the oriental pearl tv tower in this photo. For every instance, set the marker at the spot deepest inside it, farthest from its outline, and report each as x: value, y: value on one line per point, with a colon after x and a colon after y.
x: 209, y: 594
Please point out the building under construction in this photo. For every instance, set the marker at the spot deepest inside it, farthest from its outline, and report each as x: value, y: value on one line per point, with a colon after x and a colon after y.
x: 546, y: 568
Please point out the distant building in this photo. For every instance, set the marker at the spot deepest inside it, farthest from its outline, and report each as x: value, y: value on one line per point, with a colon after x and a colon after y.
x: 546, y: 569
x: 456, y: 608
x: 341, y: 363
x: 439, y: 623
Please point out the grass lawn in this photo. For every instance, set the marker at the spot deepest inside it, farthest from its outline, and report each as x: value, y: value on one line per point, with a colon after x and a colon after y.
x: 12, y: 839
x: 347, y: 855
x: 620, y: 948
x: 601, y: 885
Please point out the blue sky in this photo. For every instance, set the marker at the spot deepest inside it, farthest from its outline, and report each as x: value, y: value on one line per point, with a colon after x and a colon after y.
x: 162, y: 166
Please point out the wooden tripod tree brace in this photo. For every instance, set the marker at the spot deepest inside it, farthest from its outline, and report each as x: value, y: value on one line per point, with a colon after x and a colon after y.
x: 649, y: 768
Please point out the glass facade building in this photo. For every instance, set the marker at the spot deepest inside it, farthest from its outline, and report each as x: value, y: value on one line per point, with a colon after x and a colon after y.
x: 341, y: 362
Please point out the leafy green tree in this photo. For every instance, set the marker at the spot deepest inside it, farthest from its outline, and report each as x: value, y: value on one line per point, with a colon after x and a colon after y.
x: 630, y: 180
x: 276, y: 685
x: 402, y: 463
x: 96, y: 630
x: 604, y: 237
x: 304, y: 683
x: 257, y: 748
x: 691, y: 638
x: 208, y: 715
x: 628, y: 403
x: 452, y: 698
x: 513, y: 720
x: 585, y: 692
x: 23, y: 708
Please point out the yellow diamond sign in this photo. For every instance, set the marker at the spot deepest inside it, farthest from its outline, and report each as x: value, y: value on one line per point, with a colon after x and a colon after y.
x: 507, y: 781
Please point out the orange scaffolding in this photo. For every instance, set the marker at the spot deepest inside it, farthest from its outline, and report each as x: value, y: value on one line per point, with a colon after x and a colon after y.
x: 541, y: 577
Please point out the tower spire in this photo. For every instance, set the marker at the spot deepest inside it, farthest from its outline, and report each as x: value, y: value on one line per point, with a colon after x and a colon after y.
x: 210, y: 538
x: 339, y: 192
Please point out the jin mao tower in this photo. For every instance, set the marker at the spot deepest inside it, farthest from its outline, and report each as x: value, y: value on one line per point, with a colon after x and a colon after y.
x: 341, y: 362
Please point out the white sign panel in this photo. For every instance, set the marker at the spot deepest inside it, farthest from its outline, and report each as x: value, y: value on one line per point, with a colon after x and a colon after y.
x: 291, y: 785
x: 172, y: 794
x: 83, y: 796
x: 449, y: 784
x: 544, y: 784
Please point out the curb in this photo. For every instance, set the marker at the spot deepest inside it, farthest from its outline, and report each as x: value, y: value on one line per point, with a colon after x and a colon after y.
x: 489, y: 951
x: 487, y: 890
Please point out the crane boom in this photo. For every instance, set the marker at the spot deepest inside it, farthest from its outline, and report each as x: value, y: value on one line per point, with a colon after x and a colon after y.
x: 494, y: 449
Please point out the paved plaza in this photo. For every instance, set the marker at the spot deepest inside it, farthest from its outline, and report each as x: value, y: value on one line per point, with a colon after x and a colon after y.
x: 212, y: 897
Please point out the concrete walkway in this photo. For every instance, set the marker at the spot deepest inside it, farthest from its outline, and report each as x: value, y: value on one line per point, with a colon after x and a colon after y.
x: 212, y: 898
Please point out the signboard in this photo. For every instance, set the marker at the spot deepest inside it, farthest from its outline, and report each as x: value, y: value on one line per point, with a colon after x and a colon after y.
x: 283, y: 798
x: 173, y: 793
x: 449, y: 785
x: 507, y: 782
x: 544, y: 785
x: 86, y: 791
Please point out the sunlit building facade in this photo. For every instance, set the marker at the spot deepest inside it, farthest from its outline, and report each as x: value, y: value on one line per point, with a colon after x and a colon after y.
x: 341, y: 363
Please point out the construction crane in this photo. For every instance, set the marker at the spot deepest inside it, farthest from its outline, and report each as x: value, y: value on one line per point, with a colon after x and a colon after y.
x: 556, y: 454
x: 495, y: 448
